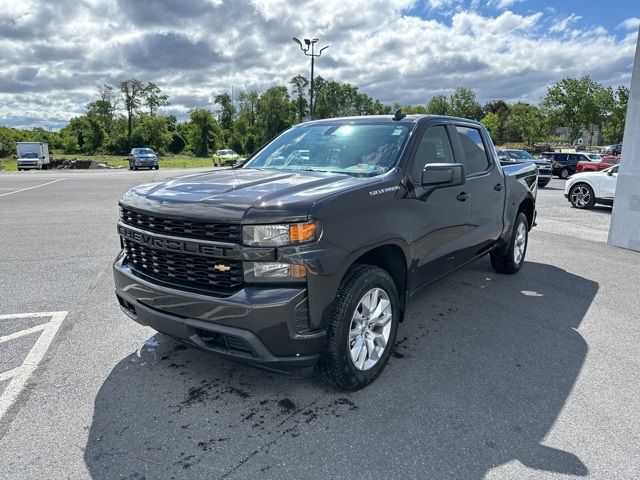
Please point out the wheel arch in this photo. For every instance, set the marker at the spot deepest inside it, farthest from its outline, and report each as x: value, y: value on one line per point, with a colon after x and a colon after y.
x: 391, y: 256
x: 528, y: 207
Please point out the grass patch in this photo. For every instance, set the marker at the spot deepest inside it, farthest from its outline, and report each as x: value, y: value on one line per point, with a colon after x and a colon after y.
x: 174, y: 161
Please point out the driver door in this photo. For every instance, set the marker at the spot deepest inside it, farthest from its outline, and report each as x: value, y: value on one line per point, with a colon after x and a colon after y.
x: 441, y: 217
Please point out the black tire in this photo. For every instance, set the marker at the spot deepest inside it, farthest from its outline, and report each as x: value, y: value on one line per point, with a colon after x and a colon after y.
x: 543, y: 183
x: 582, y: 196
x: 335, y: 365
x: 156, y: 167
x: 564, y: 173
x: 504, y: 260
x: 135, y: 167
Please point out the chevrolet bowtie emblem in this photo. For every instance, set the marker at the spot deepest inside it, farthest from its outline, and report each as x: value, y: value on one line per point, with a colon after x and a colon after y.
x: 221, y: 268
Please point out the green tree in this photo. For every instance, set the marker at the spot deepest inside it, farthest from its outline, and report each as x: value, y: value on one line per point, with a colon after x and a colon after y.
x: 577, y: 103
x: 274, y: 112
x: 227, y: 111
x: 203, y: 129
x: 153, y: 97
x: 613, y: 129
x: 527, y: 122
x: 492, y: 123
x: 500, y: 108
x: 463, y: 103
x: 105, y: 106
x: 438, y: 105
x: 300, y: 84
x: 133, y: 92
x: 249, y: 106
x: 153, y: 131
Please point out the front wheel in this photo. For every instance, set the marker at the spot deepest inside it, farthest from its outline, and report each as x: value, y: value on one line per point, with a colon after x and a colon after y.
x: 564, y: 173
x: 361, y: 330
x: 510, y: 260
x: 581, y: 196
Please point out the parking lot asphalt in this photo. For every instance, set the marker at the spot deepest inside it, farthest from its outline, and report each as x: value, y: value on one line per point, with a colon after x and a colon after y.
x: 497, y: 377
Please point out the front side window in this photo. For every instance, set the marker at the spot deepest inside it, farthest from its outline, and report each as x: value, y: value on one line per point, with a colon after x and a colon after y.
x: 352, y: 148
x: 475, y: 155
x: 434, y: 147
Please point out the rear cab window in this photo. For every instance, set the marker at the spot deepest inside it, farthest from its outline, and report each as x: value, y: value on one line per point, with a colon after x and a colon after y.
x: 476, y: 160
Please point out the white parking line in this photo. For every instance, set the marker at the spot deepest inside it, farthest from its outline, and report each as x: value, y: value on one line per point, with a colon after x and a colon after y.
x: 20, y: 375
x: 30, y: 188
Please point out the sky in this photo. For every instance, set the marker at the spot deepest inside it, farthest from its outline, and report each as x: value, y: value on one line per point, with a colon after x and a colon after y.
x: 54, y: 54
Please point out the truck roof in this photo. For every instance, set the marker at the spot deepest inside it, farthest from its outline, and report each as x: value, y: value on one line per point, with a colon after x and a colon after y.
x: 407, y: 119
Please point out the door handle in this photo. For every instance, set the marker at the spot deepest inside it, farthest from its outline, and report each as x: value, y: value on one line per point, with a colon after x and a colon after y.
x: 463, y: 196
x: 498, y: 187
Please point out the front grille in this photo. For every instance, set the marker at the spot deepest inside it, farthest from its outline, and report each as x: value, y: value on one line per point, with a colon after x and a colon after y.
x: 183, y: 270
x: 191, y: 229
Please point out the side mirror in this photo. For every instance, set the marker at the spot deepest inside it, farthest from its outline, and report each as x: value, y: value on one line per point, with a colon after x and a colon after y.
x: 441, y: 175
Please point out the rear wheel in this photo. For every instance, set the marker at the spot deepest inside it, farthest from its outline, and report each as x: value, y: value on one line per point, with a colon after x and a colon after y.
x: 564, y: 173
x: 582, y: 196
x: 361, y: 330
x: 510, y: 260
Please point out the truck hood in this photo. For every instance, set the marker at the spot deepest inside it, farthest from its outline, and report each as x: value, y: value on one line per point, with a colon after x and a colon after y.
x: 241, y: 195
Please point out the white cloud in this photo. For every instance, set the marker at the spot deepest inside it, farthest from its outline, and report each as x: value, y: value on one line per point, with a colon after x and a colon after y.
x: 631, y: 23
x: 504, y: 4
x: 563, y: 24
x: 53, y: 58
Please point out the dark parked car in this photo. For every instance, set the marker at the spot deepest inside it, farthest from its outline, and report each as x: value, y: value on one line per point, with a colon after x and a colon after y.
x: 511, y: 155
x: 143, y: 157
x: 308, y: 254
x: 563, y: 165
x: 613, y: 150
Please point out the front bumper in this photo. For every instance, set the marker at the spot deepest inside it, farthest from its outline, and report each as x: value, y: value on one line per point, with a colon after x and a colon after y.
x: 256, y: 325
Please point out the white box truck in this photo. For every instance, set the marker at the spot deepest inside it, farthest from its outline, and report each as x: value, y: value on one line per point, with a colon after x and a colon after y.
x: 33, y: 155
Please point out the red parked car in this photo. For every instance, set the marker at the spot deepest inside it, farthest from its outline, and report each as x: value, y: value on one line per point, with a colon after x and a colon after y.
x: 606, y: 162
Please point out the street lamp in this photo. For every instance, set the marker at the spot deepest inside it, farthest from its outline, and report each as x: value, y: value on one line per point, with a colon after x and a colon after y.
x: 309, y: 45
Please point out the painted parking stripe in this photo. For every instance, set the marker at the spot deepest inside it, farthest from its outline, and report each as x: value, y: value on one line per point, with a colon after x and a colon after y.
x: 31, y: 188
x: 20, y: 375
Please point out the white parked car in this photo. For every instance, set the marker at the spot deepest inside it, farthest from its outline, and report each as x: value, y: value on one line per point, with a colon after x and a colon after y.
x: 586, y: 189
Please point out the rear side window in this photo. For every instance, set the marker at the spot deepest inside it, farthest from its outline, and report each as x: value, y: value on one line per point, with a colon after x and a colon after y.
x: 574, y: 158
x: 434, y: 147
x: 475, y: 155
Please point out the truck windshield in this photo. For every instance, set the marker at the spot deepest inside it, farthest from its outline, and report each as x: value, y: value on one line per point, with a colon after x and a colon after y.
x: 29, y: 155
x: 353, y: 148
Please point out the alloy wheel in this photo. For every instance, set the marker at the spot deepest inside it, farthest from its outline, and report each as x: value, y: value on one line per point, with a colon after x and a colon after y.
x: 370, y: 329
x: 520, y: 243
x: 580, y: 196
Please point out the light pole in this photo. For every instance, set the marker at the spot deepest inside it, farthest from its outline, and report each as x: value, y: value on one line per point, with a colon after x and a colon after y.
x: 309, y: 45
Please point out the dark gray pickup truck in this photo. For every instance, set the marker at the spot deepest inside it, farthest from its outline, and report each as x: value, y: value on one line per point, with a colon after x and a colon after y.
x: 306, y: 256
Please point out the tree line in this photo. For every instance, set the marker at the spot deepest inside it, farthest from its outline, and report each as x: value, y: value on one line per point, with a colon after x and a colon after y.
x: 127, y: 115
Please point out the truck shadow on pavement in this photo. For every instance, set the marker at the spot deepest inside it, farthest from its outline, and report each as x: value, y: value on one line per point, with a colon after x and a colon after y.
x: 481, y: 370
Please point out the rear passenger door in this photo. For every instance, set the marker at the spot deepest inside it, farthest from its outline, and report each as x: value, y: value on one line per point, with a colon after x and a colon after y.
x: 572, y: 161
x: 485, y: 186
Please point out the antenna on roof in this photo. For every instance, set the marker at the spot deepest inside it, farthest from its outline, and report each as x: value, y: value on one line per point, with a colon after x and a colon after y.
x: 399, y: 115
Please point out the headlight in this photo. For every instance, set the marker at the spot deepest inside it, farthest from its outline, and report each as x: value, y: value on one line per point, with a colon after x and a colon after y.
x: 265, y: 272
x: 277, y: 235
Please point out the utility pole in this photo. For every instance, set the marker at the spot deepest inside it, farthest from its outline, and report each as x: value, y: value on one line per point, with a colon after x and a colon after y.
x: 309, y: 50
